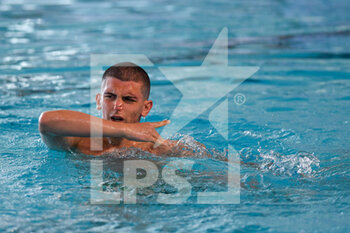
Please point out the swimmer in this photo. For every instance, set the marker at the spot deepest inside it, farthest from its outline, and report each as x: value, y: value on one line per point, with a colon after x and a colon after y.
x: 123, y: 100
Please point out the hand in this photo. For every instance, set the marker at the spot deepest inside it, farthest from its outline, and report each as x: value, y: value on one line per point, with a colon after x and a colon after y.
x: 144, y: 132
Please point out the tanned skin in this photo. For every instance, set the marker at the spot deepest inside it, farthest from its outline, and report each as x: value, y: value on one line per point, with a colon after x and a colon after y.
x: 122, y: 104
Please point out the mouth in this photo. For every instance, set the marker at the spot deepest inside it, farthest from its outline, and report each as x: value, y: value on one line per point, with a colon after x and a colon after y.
x: 117, y: 118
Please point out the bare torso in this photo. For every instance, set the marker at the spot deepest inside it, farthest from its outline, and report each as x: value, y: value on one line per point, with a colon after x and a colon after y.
x: 84, y: 145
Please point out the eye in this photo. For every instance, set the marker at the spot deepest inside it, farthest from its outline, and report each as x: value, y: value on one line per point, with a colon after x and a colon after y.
x: 109, y: 96
x: 129, y: 99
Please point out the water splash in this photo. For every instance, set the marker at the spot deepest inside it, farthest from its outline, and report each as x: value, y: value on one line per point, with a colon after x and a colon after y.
x: 301, y: 163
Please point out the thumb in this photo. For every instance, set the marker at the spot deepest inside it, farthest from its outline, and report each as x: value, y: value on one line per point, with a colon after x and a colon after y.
x: 160, y: 123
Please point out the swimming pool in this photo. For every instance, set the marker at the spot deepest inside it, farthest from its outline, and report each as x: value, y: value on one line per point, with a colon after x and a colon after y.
x: 292, y: 131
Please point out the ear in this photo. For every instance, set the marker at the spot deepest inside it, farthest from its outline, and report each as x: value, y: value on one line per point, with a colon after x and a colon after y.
x: 147, y: 106
x: 98, y: 101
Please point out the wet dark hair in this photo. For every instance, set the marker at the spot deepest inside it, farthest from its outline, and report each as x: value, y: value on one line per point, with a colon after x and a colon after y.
x: 128, y: 71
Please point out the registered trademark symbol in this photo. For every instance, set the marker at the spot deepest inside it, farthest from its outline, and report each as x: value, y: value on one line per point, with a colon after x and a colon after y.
x: 239, y: 98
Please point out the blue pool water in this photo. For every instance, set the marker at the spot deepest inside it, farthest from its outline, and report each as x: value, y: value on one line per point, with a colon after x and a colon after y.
x: 292, y: 132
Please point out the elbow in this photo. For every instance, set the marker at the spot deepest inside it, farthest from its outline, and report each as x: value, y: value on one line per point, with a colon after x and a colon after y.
x: 50, y: 121
x: 47, y: 120
x: 44, y: 120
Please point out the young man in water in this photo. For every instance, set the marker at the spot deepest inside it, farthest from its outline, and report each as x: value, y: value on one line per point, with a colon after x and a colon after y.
x: 123, y: 101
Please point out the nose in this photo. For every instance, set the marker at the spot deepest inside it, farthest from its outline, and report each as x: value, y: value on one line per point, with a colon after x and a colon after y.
x: 118, y: 104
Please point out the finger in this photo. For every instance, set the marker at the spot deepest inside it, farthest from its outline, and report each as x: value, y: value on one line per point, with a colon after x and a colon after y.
x: 160, y: 123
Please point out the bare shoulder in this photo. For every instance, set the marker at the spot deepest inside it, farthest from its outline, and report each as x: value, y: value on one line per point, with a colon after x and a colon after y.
x: 86, y: 144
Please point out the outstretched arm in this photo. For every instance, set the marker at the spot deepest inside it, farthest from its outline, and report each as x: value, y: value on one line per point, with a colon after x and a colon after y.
x: 61, y: 129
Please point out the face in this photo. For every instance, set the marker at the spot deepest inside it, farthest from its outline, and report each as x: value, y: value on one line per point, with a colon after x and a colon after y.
x: 122, y: 101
